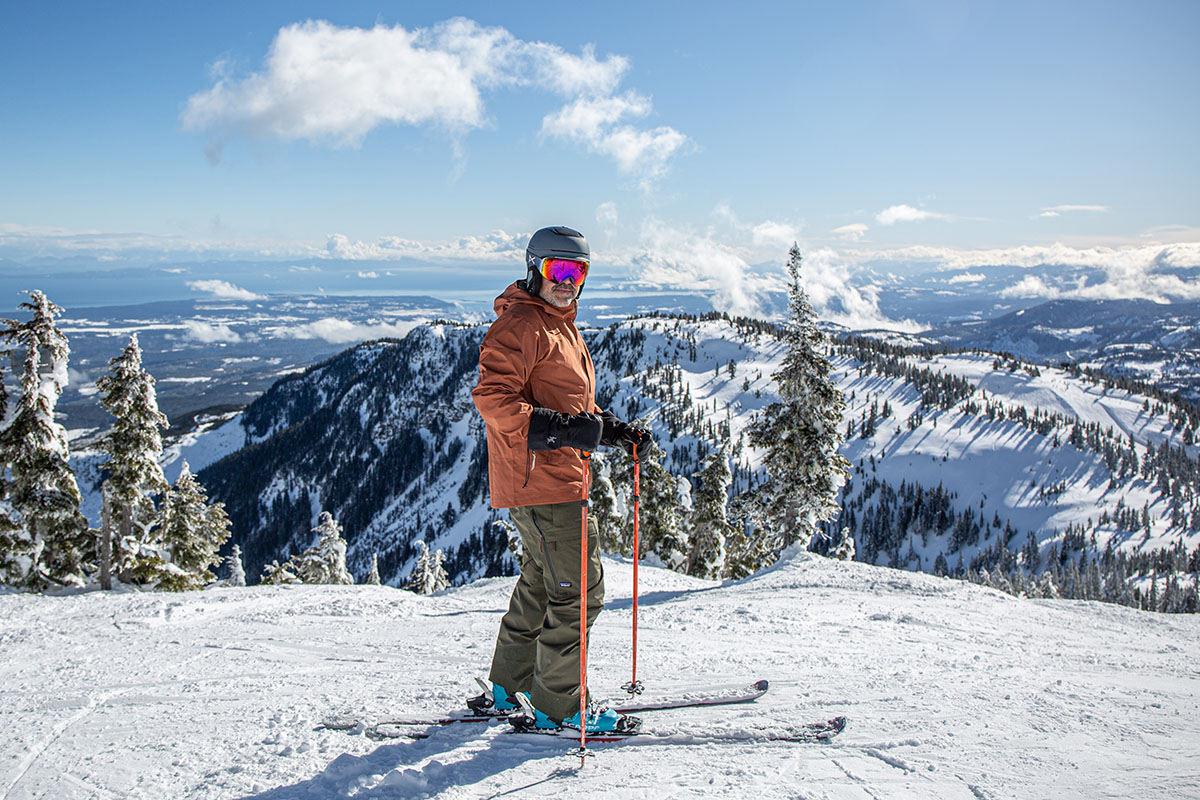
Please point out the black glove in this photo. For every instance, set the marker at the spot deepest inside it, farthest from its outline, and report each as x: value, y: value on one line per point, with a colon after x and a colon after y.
x: 549, y: 430
x: 622, y: 434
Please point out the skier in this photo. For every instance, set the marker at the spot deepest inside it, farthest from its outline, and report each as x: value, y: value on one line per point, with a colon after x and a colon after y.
x: 536, y: 392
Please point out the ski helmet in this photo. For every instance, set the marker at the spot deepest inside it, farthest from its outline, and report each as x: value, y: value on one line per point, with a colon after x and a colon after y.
x: 556, y: 242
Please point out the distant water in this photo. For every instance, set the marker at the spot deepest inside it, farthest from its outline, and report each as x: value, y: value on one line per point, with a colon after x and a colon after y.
x: 473, y: 290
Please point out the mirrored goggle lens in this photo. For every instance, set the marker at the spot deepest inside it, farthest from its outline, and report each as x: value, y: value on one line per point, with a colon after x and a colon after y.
x: 559, y: 269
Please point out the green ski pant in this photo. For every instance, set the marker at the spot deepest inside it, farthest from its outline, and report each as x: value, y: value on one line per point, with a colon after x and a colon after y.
x: 537, y: 649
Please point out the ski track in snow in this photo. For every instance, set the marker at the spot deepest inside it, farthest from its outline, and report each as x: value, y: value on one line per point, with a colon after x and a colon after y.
x: 952, y: 690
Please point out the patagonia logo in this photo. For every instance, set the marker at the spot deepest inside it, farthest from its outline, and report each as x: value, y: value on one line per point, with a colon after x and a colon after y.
x: 564, y: 584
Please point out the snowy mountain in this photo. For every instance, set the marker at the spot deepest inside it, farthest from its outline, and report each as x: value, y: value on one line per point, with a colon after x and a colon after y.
x: 952, y: 691
x: 962, y: 461
x: 1153, y: 342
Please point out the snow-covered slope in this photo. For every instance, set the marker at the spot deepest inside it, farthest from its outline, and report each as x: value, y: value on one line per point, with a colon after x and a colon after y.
x: 953, y: 691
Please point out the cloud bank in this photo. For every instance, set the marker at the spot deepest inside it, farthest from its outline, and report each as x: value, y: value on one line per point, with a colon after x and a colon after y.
x: 224, y: 290
x: 340, y: 331
x: 676, y: 257
x: 902, y: 213
x: 1162, y: 273
x: 209, y: 333
x: 496, y: 247
x: 1056, y: 211
x: 333, y: 85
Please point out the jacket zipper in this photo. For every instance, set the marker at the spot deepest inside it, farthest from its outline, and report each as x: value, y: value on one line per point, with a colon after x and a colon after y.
x: 530, y: 462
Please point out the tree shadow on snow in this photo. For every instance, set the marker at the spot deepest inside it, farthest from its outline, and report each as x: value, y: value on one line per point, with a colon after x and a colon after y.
x: 654, y: 598
x: 349, y: 775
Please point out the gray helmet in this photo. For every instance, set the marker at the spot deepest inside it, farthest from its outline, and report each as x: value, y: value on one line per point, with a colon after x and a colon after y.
x: 557, y: 242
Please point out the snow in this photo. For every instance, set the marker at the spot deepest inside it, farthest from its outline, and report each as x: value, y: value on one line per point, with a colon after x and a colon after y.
x: 952, y: 690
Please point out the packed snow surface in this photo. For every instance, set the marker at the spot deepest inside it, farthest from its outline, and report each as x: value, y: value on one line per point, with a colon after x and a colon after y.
x: 952, y: 690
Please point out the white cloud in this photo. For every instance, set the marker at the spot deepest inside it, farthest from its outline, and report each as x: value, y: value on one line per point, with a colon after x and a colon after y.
x: 1144, y: 272
x: 594, y: 122
x: 967, y: 277
x: 368, y: 275
x: 209, y: 333
x: 1031, y: 286
x: 675, y: 257
x: 775, y: 234
x: 325, y: 83
x: 224, y: 289
x: 606, y: 216
x: 770, y: 238
x: 497, y: 247
x: 340, y: 331
x: 825, y: 276
x: 902, y: 213
x: 1054, y: 211
x: 852, y: 232
x: 671, y: 256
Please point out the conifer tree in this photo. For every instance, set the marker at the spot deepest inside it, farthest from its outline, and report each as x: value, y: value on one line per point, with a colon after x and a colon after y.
x: 12, y: 535
x: 276, y: 573
x: 237, y: 572
x: 617, y: 536
x: 134, y: 448
x: 710, y: 519
x: 54, y: 544
x: 373, y: 578
x: 325, y: 562
x: 429, y: 575
x: 189, y: 537
x: 845, y: 549
x: 602, y: 504
x: 662, y: 533
x: 801, y: 433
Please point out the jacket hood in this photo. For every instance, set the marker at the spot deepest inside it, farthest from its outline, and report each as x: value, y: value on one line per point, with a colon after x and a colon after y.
x: 517, y: 295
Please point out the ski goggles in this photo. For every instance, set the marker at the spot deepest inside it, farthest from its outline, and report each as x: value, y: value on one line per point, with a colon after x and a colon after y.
x: 560, y: 269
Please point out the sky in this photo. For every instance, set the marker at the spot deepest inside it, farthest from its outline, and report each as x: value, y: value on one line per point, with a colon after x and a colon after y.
x: 689, y: 142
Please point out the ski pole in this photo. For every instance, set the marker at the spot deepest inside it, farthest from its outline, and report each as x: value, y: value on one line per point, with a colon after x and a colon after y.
x: 583, y: 590
x: 634, y: 686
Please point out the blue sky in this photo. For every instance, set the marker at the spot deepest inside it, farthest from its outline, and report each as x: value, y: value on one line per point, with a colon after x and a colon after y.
x: 686, y: 139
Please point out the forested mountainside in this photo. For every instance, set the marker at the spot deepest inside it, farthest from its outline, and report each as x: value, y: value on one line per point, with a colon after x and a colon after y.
x: 1158, y: 342
x: 962, y: 460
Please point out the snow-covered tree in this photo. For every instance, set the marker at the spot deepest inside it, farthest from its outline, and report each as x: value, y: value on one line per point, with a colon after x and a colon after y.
x: 617, y: 535
x: 53, y: 545
x: 12, y: 535
x: 325, y: 562
x: 134, y: 448
x: 710, y: 519
x: 602, y: 504
x: 662, y: 532
x: 845, y: 549
x: 188, y: 539
x: 279, y: 573
x: 429, y: 575
x: 237, y: 572
x: 373, y: 578
x: 745, y: 552
x: 511, y: 534
x: 801, y: 433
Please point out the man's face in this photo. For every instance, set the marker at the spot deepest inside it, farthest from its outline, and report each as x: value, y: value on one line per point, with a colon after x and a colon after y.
x: 559, y: 295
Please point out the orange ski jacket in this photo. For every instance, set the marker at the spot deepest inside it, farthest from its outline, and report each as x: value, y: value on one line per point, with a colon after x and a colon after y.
x: 532, y: 357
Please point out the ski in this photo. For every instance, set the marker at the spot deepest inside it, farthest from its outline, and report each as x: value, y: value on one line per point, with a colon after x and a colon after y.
x: 395, y: 728
x: 812, y: 733
x: 720, y: 696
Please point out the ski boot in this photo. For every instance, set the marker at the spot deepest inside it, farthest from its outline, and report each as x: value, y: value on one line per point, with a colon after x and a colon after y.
x: 603, y: 720
x: 494, y: 702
